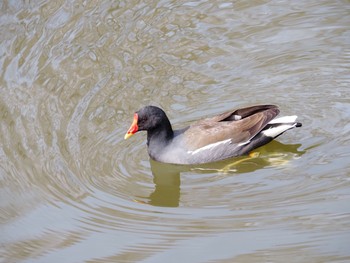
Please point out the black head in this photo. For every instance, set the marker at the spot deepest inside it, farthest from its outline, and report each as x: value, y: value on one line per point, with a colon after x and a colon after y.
x: 151, y: 117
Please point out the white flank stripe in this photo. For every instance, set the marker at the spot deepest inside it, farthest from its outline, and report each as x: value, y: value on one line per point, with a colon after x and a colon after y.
x: 209, y: 146
x: 285, y: 119
x: 273, y: 132
x: 243, y: 143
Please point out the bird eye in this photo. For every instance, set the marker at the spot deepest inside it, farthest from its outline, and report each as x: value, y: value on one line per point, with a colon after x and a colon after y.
x: 143, y: 119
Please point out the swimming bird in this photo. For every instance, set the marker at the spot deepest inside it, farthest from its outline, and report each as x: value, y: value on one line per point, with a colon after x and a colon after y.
x: 230, y: 134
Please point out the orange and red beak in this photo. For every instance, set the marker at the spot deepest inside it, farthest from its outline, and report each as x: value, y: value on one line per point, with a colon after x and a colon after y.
x: 133, y: 128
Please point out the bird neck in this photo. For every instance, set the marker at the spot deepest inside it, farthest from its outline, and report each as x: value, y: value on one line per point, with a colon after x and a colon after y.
x: 161, y: 135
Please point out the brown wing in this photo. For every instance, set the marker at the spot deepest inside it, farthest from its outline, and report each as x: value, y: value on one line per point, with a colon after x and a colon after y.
x: 239, y: 126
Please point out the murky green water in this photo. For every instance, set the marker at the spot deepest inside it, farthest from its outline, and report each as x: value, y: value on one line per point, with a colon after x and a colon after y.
x: 73, y: 73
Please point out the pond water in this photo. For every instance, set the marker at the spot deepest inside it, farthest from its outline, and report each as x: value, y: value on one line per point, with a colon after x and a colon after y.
x: 74, y: 72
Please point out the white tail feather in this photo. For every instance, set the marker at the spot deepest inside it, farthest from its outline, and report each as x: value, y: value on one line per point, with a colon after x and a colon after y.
x: 275, y: 131
x: 285, y: 119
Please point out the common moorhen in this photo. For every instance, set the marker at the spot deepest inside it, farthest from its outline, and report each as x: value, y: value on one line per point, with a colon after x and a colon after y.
x: 230, y: 134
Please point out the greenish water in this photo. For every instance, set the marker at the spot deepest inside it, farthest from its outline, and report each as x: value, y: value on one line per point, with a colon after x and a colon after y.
x: 74, y: 72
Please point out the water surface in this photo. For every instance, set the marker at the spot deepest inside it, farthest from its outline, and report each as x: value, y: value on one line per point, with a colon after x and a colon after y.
x: 73, y: 73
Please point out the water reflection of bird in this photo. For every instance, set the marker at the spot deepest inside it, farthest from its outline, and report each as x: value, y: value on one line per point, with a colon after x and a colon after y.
x: 167, y: 176
x: 227, y: 135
